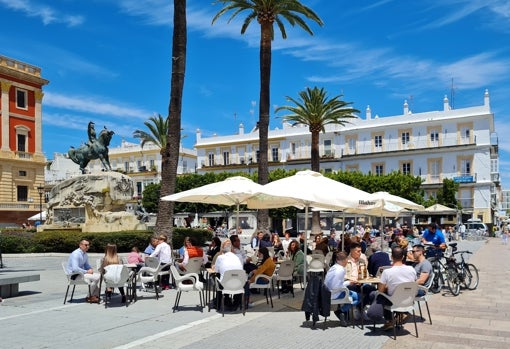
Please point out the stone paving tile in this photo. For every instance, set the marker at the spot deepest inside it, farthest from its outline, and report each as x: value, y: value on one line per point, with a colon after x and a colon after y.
x: 466, y: 321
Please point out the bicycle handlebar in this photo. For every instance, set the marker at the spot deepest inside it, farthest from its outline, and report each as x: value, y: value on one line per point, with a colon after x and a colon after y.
x: 457, y: 252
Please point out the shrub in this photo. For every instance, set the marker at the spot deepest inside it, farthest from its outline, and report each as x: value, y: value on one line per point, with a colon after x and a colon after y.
x: 66, y: 241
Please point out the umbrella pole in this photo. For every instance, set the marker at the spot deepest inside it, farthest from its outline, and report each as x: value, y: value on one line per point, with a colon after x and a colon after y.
x: 237, y: 217
x: 305, y: 247
x: 343, y: 228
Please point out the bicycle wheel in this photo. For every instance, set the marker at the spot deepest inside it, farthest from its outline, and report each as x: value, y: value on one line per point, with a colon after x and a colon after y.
x: 437, y: 283
x: 452, y: 280
x: 471, y: 280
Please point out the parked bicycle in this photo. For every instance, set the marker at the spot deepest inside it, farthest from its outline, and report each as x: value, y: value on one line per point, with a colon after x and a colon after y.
x: 455, y: 274
x: 467, y: 273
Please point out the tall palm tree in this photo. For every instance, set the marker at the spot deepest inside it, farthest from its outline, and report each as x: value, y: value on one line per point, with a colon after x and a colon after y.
x: 158, y: 129
x: 315, y: 110
x: 170, y: 153
x: 267, y: 13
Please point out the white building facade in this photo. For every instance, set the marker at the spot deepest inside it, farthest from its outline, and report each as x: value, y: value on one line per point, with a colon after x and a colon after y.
x: 458, y: 144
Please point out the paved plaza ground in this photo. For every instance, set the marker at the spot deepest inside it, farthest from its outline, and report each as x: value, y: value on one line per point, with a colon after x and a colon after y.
x: 38, y: 319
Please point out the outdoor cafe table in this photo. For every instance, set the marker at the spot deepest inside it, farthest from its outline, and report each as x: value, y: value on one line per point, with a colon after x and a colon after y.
x: 361, y: 282
x: 131, y: 286
x: 210, y: 285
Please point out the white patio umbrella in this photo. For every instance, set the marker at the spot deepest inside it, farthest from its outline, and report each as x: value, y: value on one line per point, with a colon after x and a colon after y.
x: 231, y: 191
x: 307, y: 189
x: 385, y: 197
x: 385, y: 204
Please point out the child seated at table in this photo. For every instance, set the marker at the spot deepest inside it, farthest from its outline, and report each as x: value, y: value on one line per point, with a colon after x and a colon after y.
x: 134, y: 257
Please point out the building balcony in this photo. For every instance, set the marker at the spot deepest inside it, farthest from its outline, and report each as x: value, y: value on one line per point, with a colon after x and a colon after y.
x: 23, y: 155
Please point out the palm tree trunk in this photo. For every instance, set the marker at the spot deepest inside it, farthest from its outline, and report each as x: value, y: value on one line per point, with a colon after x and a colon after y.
x: 170, y: 154
x: 316, y: 166
x: 264, y: 103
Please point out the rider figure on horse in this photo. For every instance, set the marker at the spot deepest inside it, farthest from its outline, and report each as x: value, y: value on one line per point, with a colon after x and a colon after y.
x: 91, y: 131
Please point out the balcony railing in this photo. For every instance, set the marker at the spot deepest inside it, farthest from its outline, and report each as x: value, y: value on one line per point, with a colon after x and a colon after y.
x: 23, y: 155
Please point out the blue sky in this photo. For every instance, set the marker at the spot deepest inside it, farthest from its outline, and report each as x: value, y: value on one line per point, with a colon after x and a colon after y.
x: 109, y: 61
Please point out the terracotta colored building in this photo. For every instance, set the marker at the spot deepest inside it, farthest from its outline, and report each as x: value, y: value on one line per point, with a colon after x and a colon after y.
x: 21, y: 158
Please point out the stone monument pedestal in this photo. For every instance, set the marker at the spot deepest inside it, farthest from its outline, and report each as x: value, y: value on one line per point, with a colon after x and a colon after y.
x: 92, y: 203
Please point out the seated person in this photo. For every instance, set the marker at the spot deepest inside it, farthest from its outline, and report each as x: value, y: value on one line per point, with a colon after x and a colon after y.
x: 266, y: 241
x: 335, y: 278
x: 323, y: 245
x: 277, y: 244
x: 248, y: 266
x: 227, y: 260
x: 111, y: 257
x: 152, y: 246
x: 355, y: 260
x: 164, y: 254
x: 422, y: 266
x: 390, y: 279
x: 266, y: 267
x: 134, y: 257
x: 79, y: 263
x: 214, y: 248
x: 192, y: 251
x: 298, y: 257
x: 377, y: 259
x: 433, y: 236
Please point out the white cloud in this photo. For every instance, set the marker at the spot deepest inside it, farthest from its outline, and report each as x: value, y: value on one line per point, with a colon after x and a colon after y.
x: 45, y: 13
x: 94, y: 105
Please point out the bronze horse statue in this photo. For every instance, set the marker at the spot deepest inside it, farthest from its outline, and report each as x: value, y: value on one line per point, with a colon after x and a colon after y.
x: 98, y: 149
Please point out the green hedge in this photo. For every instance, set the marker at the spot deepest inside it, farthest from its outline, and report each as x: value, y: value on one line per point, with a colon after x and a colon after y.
x: 65, y: 241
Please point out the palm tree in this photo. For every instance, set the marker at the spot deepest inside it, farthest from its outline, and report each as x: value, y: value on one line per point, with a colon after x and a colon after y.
x: 315, y: 110
x: 267, y: 13
x: 170, y: 153
x: 158, y: 127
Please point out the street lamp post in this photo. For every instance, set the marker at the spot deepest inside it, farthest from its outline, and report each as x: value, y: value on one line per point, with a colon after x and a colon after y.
x: 40, y: 190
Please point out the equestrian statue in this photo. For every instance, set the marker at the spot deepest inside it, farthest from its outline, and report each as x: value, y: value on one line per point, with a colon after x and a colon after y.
x: 95, y: 148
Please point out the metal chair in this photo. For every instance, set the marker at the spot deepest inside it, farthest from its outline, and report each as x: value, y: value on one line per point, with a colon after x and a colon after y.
x: 426, y: 296
x: 73, y: 280
x: 186, y: 283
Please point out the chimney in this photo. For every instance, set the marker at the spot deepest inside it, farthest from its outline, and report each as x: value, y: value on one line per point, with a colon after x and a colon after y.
x: 486, y: 100
x: 446, y: 105
x: 369, y: 113
x: 241, y: 129
x: 199, y: 135
x: 406, y: 107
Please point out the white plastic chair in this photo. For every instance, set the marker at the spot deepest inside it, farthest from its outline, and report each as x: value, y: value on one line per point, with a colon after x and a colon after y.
x: 426, y: 296
x: 73, y: 280
x: 194, y: 266
x: 115, y: 275
x: 402, y: 301
x: 316, y: 264
x: 187, y: 283
x: 151, y: 262
x: 285, y: 273
x: 232, y: 283
x: 266, y: 286
x: 344, y: 299
x: 147, y: 274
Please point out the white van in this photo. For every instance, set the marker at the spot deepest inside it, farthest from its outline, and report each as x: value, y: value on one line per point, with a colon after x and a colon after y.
x: 474, y: 226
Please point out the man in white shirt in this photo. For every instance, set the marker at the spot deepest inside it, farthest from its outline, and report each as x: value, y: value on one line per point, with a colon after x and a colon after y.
x: 391, y: 278
x: 335, y: 278
x: 164, y: 254
x: 286, y: 241
x: 227, y: 260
